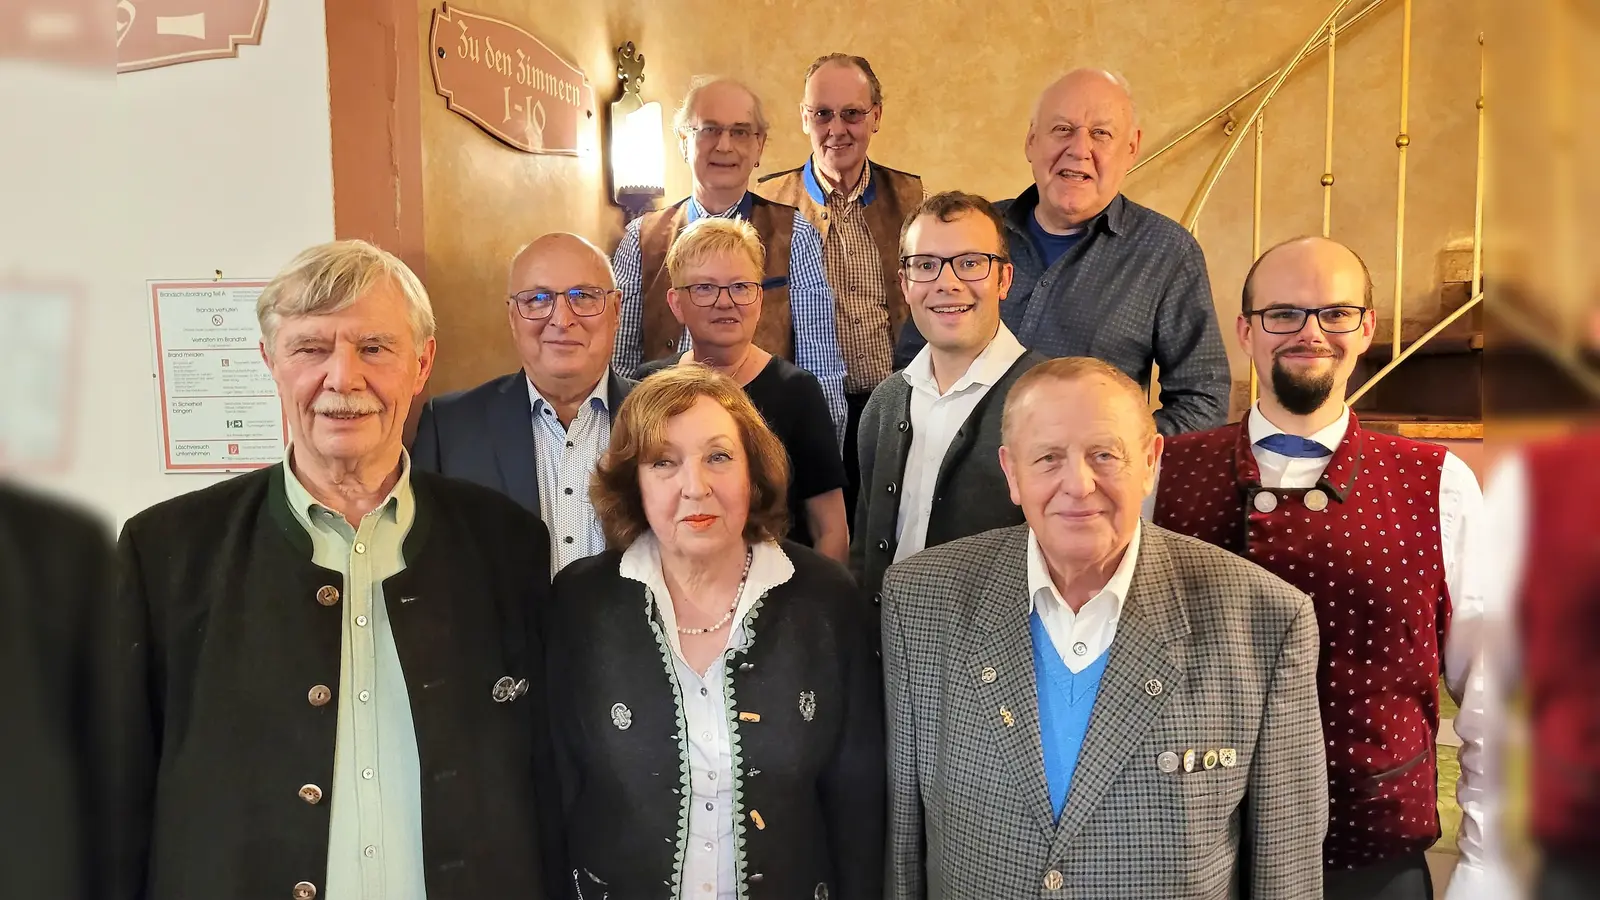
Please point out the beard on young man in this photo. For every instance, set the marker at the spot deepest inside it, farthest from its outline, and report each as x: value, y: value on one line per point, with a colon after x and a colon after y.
x: 1304, y: 393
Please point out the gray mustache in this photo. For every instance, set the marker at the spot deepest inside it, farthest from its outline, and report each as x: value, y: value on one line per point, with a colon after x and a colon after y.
x: 346, y: 404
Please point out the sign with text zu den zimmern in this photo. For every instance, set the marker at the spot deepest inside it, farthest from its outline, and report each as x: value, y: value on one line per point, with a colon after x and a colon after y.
x: 509, y: 84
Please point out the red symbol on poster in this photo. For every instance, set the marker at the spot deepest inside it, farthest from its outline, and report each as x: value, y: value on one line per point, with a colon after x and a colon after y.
x: 154, y: 33
x: 509, y: 83
x: 233, y: 449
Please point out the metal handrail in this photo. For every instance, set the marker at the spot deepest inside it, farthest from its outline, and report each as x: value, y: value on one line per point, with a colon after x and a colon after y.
x: 1226, y: 108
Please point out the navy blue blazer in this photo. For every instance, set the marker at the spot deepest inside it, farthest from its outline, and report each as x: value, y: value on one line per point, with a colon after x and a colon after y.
x: 485, y: 435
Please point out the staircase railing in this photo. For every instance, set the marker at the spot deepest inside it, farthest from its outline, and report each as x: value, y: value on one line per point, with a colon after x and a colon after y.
x: 1236, y: 130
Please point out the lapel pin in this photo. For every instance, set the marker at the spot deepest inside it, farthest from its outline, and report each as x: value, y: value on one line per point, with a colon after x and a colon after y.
x: 1211, y: 759
x: 1188, y: 760
x: 988, y: 675
x: 504, y: 690
x: 1167, y: 762
x: 1006, y: 717
x: 1228, y: 756
x: 808, y: 705
x: 1153, y: 687
x: 749, y: 717
x: 755, y: 816
x: 621, y: 716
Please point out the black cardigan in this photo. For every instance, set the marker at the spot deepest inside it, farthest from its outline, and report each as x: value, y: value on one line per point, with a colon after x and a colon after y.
x: 816, y: 787
x: 225, y: 638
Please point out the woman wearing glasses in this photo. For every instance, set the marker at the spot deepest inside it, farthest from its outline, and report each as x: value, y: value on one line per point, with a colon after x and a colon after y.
x: 715, y: 266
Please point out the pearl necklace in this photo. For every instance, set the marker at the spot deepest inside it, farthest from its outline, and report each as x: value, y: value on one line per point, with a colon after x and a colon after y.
x: 735, y: 605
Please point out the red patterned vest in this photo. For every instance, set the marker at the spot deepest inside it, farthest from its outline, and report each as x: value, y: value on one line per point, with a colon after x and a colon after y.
x: 1559, y: 611
x: 1364, y: 544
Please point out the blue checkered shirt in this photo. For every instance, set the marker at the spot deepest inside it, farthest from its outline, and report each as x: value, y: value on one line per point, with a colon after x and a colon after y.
x: 816, y: 338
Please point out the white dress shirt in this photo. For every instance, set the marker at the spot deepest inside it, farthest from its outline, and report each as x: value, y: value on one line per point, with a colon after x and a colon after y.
x: 567, y: 457
x: 935, y: 419
x: 709, y: 869
x: 1080, y: 637
x: 1460, y: 513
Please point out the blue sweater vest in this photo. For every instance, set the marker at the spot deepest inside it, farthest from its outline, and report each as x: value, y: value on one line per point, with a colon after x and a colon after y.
x: 1065, y: 702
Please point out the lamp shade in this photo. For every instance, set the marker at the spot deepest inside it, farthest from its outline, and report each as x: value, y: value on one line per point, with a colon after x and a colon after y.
x: 638, y: 163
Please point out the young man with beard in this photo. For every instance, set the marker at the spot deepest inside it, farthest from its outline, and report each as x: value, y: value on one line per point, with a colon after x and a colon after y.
x: 1373, y: 528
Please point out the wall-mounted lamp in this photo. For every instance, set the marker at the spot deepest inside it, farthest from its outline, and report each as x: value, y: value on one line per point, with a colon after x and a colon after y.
x: 638, y: 158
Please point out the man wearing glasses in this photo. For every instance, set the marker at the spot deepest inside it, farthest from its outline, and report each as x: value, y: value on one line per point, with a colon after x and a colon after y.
x: 858, y: 207
x: 1374, y: 528
x: 536, y: 434
x: 721, y: 133
x: 930, y: 435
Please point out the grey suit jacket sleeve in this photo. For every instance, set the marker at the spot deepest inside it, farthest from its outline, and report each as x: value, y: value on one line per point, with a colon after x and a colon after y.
x: 905, y: 875
x: 1195, y: 381
x: 1287, y: 795
x: 866, y: 450
x: 425, y: 447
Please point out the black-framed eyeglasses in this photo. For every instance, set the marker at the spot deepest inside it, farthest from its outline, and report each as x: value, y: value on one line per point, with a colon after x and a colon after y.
x: 583, y: 301
x: 1290, y: 319
x: 742, y: 293
x: 711, y: 135
x: 852, y: 115
x: 968, y: 266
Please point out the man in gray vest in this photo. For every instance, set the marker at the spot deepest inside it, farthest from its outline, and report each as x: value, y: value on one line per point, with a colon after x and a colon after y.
x: 930, y: 435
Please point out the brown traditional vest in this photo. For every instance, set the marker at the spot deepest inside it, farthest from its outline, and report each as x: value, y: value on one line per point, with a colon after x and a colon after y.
x: 1364, y: 545
x: 657, y: 230
x: 1558, y: 610
x: 890, y: 197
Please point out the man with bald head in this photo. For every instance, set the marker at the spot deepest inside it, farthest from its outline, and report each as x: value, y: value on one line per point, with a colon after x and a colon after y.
x: 1374, y: 528
x: 722, y: 131
x: 1096, y: 273
x: 1089, y: 706
x: 536, y: 434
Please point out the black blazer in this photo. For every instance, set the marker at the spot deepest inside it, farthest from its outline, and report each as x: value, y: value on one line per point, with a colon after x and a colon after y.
x: 485, y: 435
x: 55, y: 577
x: 817, y: 786
x: 228, y: 626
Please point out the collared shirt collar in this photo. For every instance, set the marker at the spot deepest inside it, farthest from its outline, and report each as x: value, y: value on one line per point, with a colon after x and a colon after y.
x: 641, y: 562
x: 740, y: 210
x: 989, y: 367
x: 401, y: 503
x: 865, y: 190
x: 1113, y: 217
x: 1040, y: 585
x: 1328, y: 436
x: 599, y: 398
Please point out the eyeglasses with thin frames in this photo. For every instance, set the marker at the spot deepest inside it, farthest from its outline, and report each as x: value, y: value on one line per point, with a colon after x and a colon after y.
x: 711, y: 135
x: 1290, y: 319
x: 742, y: 293
x: 583, y: 301
x: 852, y: 115
x: 967, y: 266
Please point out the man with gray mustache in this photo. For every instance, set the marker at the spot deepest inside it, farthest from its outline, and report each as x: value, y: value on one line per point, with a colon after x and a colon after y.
x: 1374, y: 528
x: 323, y: 667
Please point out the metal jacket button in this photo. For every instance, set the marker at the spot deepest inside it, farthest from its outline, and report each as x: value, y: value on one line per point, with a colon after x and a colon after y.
x: 311, y: 794
x: 319, y: 695
x: 327, y: 595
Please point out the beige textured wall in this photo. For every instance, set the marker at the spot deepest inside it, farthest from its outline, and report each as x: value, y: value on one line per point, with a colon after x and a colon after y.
x: 960, y: 80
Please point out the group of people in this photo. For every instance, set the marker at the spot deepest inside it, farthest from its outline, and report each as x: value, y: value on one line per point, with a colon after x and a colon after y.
x: 824, y: 545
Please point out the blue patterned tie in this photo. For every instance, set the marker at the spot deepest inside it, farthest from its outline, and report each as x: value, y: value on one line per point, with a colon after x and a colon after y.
x: 1293, y: 445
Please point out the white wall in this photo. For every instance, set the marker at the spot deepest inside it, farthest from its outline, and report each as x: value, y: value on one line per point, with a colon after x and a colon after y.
x: 220, y: 164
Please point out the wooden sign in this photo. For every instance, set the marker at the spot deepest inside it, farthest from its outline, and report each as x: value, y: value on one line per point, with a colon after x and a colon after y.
x: 154, y: 33
x: 509, y: 83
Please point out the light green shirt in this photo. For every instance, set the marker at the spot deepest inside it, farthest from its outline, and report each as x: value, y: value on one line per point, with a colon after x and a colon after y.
x: 375, y: 833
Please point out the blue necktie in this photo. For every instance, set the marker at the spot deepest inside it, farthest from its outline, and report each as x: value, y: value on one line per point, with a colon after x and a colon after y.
x: 1293, y: 445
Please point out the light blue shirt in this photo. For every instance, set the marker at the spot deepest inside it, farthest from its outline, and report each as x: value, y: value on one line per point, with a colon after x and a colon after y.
x: 375, y: 827
x: 566, y: 460
x: 816, y: 335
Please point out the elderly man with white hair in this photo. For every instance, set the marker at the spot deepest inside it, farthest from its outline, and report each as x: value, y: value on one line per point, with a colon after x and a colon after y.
x: 323, y: 666
x: 1096, y: 273
x: 721, y: 132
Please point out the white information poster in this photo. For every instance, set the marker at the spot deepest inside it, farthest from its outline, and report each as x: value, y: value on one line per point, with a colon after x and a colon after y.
x: 219, y: 406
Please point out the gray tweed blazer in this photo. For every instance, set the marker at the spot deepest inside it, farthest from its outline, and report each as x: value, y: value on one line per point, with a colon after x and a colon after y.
x: 1211, y: 653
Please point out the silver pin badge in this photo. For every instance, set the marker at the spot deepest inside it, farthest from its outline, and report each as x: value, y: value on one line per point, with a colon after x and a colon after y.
x: 988, y: 675
x: 1266, y: 501
x: 808, y: 705
x: 621, y: 716
x: 1167, y: 762
x: 1153, y: 687
x: 508, y: 689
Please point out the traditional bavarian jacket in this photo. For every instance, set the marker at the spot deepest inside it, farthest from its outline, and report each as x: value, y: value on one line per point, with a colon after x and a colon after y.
x: 1365, y: 543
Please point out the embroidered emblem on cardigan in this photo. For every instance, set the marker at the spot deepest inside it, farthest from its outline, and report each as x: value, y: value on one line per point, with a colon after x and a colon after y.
x: 808, y: 705
x: 621, y: 716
